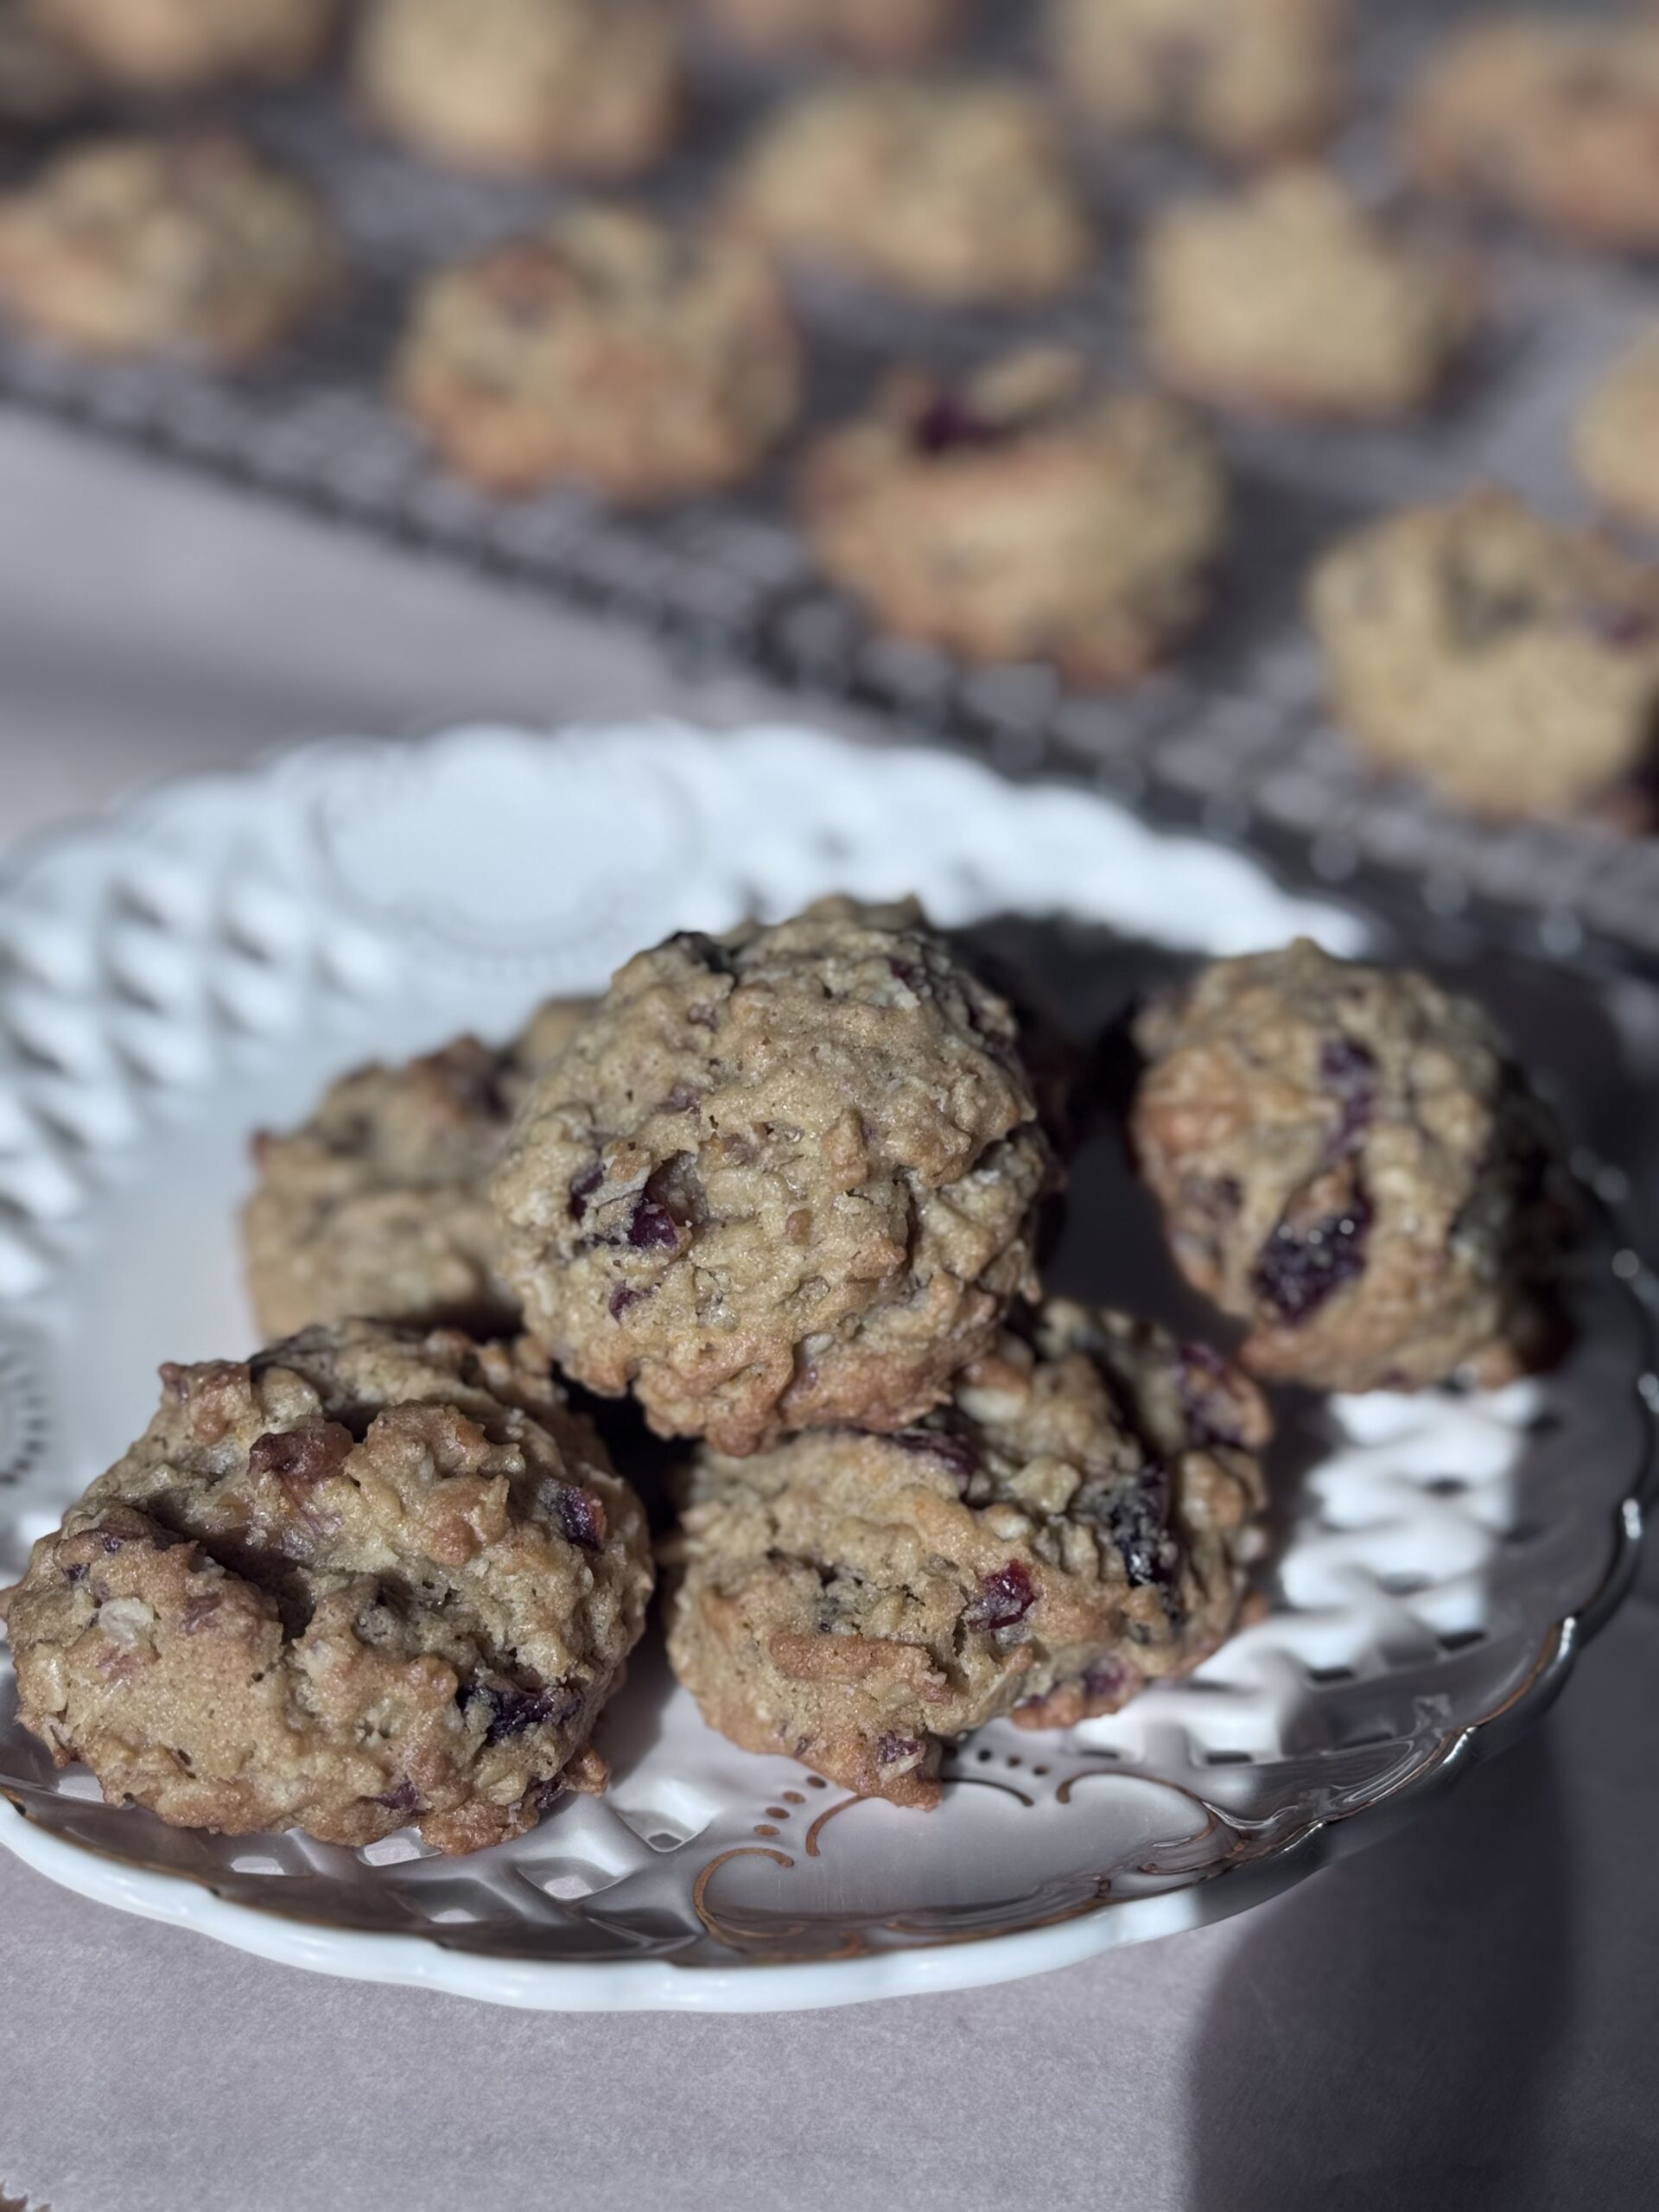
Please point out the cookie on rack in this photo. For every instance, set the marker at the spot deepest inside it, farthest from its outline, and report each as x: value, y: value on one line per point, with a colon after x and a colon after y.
x: 1290, y: 297
x: 378, y: 1203
x: 1615, y: 439
x: 582, y: 88
x: 955, y: 191
x: 889, y: 31
x: 1349, y: 1161
x: 361, y: 1581
x: 1556, y: 121
x: 1248, y: 79
x: 191, y: 246
x: 783, y: 1179
x: 645, y: 362
x: 187, y: 45
x: 1075, y: 1523
x: 1511, y: 663
x: 1029, y: 513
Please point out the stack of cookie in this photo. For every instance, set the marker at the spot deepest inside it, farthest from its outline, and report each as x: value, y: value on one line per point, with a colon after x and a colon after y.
x: 783, y: 1189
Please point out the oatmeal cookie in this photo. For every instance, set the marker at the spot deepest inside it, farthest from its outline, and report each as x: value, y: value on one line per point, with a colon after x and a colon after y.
x: 1029, y: 513
x: 588, y: 88
x: 1556, y: 121
x: 192, y: 246
x: 782, y: 1179
x: 1513, y: 663
x: 648, y: 363
x: 1072, y: 1525
x: 1249, y: 79
x: 362, y: 1580
x: 379, y: 1204
x: 184, y: 46
x: 891, y: 31
x: 1348, y: 1161
x: 1616, y: 439
x: 1291, y: 297
x: 955, y: 192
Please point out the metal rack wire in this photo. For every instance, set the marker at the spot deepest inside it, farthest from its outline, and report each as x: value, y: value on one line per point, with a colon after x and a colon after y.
x: 1231, y: 737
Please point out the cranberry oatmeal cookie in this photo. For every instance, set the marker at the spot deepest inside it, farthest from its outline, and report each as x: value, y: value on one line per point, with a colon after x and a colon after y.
x: 380, y: 1203
x: 955, y: 192
x: 1291, y: 297
x: 185, y: 46
x: 1349, y: 1161
x: 1616, y: 439
x: 1513, y: 663
x: 1074, y: 1524
x: 608, y: 349
x: 1556, y: 121
x: 1030, y: 513
x: 192, y: 246
x: 588, y: 88
x: 361, y: 1581
x: 891, y: 31
x: 1249, y: 79
x: 782, y: 1179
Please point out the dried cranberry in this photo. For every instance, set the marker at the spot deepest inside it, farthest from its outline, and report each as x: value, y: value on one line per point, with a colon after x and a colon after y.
x: 681, y: 1099
x: 1136, y: 1518
x: 299, y: 1457
x: 1621, y: 627
x: 954, y: 1451
x: 1348, y: 1071
x: 624, y: 1296
x: 580, y: 1515
x: 510, y: 1712
x: 1302, y: 1265
x: 913, y: 978
x: 1109, y: 1679
x: 403, y: 1797
x: 1005, y: 1598
x: 75, y: 1574
x: 583, y: 1187
x: 1203, y: 1383
x: 948, y: 424
x: 889, y: 1749
x: 653, y: 1228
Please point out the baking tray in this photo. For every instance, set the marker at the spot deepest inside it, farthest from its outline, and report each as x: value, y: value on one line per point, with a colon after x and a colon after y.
x: 1231, y: 737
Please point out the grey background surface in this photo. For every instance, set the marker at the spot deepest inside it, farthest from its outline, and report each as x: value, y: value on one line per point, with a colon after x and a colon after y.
x: 1465, y: 2016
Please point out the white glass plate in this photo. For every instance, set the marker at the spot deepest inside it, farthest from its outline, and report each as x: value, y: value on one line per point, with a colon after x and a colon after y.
x: 172, y: 979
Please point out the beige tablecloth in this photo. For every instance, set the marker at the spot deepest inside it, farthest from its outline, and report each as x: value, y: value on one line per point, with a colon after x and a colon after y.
x: 1464, y: 2018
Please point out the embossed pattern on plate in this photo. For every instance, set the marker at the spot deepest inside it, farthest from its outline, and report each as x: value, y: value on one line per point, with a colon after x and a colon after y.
x: 176, y: 977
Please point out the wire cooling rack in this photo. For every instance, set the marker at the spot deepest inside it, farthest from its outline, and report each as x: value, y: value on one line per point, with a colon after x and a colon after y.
x: 1231, y: 736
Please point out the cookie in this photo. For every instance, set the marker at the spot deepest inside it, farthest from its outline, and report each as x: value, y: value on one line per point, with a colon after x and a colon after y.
x: 584, y: 88
x: 1248, y: 79
x: 1289, y: 297
x: 185, y: 46
x: 1074, y: 1524
x: 379, y: 1204
x: 890, y: 31
x: 1615, y: 439
x: 194, y: 246
x: 1512, y: 663
x: 1349, y: 1161
x: 1030, y: 513
x: 954, y: 191
x: 1556, y: 121
x: 608, y: 349
x: 363, y: 1580
x: 782, y: 1179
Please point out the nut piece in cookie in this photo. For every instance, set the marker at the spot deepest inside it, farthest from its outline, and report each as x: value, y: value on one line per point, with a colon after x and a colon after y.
x: 1073, y: 1524
x: 1291, y: 298
x: 1028, y: 513
x: 782, y: 1179
x: 1348, y: 1161
x: 1248, y: 79
x: 1513, y: 663
x: 1556, y: 121
x: 185, y: 46
x: 955, y: 191
x: 587, y: 88
x: 364, y: 1580
x: 891, y: 31
x: 607, y: 348
x: 380, y: 1203
x: 1616, y: 440
x: 194, y: 246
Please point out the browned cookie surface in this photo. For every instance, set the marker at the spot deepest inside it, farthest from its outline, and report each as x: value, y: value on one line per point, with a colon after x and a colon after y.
x: 182, y: 45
